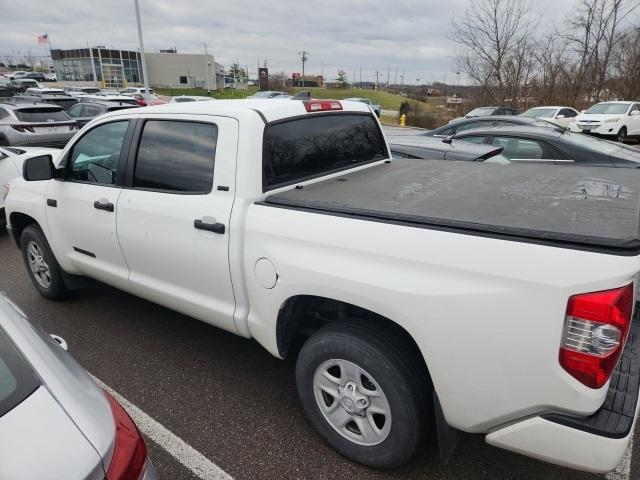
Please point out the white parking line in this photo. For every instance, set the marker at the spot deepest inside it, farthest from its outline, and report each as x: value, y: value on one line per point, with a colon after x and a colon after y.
x: 184, y: 453
x: 205, y: 469
x: 623, y: 470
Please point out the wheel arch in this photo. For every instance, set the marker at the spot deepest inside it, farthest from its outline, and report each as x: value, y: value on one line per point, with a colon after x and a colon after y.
x: 19, y: 221
x: 301, y: 315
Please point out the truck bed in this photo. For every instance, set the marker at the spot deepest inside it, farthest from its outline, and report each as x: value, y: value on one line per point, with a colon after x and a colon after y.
x: 586, y: 208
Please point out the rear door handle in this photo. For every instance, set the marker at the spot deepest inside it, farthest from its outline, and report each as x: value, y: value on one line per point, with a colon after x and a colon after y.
x: 108, y: 206
x: 209, y: 227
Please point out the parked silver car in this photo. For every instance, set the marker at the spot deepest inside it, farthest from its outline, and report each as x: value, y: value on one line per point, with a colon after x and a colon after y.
x: 55, y: 422
x: 35, y: 123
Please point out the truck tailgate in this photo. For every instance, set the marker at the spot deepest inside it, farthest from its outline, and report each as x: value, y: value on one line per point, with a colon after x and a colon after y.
x: 587, y: 208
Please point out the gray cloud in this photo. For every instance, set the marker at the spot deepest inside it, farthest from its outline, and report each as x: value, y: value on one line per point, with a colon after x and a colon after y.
x: 349, y: 35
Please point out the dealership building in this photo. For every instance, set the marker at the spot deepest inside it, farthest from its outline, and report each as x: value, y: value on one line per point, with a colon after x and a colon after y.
x: 117, y: 68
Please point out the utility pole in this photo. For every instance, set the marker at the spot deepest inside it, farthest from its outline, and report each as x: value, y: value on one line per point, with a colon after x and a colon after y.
x: 377, y: 78
x: 206, y: 67
x: 388, y: 73
x: 144, y: 61
x: 402, y: 77
x: 395, y: 81
x: 304, y: 56
x: 322, y: 69
x: 360, y: 78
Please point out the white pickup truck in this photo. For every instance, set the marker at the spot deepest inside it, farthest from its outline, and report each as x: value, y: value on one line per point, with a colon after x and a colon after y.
x: 418, y: 297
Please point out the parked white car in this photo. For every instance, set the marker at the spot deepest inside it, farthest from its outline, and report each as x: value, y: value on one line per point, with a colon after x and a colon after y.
x: 15, y: 75
x: 492, y: 299
x: 80, y: 90
x: 11, y: 161
x: 562, y: 116
x: 617, y: 120
x: 135, y: 91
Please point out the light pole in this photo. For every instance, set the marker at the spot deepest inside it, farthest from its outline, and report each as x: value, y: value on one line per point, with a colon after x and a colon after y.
x: 144, y: 61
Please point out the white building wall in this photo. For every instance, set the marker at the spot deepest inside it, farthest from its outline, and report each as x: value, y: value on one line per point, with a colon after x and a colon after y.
x: 166, y: 70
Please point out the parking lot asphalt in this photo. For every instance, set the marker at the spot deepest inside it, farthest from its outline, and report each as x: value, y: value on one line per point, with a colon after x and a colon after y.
x: 225, y: 396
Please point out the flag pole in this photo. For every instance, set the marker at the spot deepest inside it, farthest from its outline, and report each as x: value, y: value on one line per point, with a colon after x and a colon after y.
x: 144, y: 61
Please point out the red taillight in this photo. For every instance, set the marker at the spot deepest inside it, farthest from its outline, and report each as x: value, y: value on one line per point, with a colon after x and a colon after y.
x: 320, y: 105
x: 595, y: 330
x: 129, y: 452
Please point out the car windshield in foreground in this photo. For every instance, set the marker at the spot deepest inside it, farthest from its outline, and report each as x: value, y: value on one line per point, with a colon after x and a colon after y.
x: 540, y: 112
x: 609, y: 108
x: 17, y: 381
x: 38, y: 115
x: 605, y: 147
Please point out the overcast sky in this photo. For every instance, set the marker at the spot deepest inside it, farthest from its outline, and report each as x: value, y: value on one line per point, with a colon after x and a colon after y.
x: 342, y: 34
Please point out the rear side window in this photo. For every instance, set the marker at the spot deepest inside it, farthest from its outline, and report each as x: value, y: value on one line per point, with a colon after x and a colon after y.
x: 301, y: 149
x: 42, y: 115
x: 176, y: 156
x: 17, y: 381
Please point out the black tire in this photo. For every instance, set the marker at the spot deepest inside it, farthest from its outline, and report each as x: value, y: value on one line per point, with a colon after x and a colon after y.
x: 56, y: 288
x: 622, y: 135
x: 390, y: 364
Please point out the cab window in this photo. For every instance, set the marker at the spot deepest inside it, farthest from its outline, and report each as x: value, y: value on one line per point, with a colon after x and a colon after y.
x: 95, y: 157
x: 176, y: 156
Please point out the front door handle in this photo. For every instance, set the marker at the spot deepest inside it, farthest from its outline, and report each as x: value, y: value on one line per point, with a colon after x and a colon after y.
x: 209, y: 227
x: 108, y: 206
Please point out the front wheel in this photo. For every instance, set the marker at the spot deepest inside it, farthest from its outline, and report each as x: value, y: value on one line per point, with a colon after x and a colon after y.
x: 622, y: 135
x: 42, y: 267
x: 363, y: 393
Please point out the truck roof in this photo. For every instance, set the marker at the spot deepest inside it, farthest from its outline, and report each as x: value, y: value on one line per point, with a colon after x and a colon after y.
x: 270, y: 109
x: 589, y: 208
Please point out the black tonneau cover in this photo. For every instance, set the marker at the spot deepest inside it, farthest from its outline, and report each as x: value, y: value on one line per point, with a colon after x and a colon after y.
x: 587, y: 208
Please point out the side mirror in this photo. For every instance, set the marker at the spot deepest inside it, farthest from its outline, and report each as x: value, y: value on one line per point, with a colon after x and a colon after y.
x: 448, y: 139
x: 635, y: 112
x: 38, y: 168
x: 559, y: 116
x: 583, y: 111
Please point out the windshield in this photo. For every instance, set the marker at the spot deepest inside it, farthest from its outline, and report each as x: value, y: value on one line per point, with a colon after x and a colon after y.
x: 609, y: 108
x: 17, y: 381
x: 263, y: 94
x: 481, y: 112
x: 605, y: 147
x: 540, y: 112
x: 42, y: 115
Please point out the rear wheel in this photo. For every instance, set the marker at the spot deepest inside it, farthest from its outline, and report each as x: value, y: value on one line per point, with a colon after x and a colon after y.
x: 622, y: 135
x: 363, y: 393
x: 42, y: 267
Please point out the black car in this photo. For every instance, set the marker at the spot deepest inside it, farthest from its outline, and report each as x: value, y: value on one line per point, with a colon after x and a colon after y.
x: 84, y: 112
x: 552, y: 145
x: 484, y: 122
x: 420, y: 147
x: 39, y: 77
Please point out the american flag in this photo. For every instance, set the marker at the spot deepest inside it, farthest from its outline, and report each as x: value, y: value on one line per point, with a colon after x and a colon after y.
x: 43, y: 39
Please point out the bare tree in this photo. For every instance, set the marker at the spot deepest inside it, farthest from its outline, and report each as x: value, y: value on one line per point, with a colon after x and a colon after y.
x: 626, y: 65
x: 496, y: 40
x: 592, y: 36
